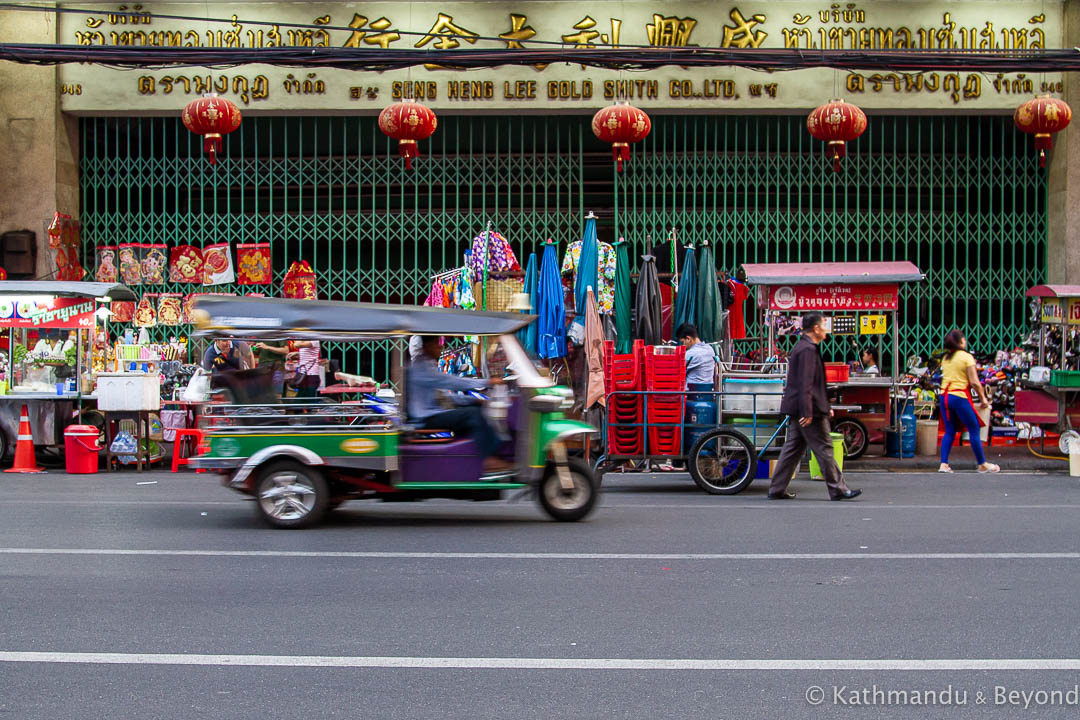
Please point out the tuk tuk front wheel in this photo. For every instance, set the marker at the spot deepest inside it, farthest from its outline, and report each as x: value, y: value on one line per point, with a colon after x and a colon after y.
x: 568, y: 504
x: 290, y: 495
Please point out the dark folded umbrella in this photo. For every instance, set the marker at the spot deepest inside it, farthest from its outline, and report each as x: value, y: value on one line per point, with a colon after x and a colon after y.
x: 624, y: 341
x: 686, y: 296
x: 709, y: 311
x: 648, y: 323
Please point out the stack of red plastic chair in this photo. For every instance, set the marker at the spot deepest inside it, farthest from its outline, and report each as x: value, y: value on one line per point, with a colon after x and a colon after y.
x: 665, y: 372
x: 625, y: 419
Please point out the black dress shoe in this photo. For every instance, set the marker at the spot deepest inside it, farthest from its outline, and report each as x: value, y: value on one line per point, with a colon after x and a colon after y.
x: 786, y: 495
x: 847, y: 495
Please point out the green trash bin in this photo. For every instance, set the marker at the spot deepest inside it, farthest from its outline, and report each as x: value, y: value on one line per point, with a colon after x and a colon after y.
x: 838, y: 453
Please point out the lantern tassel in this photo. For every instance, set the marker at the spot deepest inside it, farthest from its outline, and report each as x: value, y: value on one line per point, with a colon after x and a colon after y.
x: 620, y: 152
x: 839, y: 150
x: 212, y: 146
x: 1043, y: 142
x: 408, y: 149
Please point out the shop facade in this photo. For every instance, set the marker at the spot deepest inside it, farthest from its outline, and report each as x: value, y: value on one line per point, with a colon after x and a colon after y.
x: 941, y: 177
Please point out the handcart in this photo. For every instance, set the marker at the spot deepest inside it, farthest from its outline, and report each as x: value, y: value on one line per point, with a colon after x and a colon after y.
x: 718, y: 436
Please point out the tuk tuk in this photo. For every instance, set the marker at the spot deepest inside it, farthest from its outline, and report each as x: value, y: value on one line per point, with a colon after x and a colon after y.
x: 300, y: 459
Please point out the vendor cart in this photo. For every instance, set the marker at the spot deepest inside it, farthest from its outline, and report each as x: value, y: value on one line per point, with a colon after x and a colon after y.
x: 47, y: 331
x: 1050, y: 396
x: 858, y: 299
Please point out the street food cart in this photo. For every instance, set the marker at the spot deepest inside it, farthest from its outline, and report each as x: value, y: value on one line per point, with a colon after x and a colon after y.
x: 1050, y: 395
x: 47, y: 333
x: 858, y: 299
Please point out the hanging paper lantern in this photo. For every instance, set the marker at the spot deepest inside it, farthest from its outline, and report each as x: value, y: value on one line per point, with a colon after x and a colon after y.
x: 211, y: 116
x: 1041, y: 117
x: 408, y: 121
x: 837, y: 123
x: 621, y: 124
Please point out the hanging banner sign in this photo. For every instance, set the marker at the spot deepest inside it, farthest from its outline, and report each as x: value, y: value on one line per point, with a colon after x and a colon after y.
x: 833, y: 297
x: 1074, y: 311
x: 1050, y: 313
x: 58, y: 313
x: 872, y: 324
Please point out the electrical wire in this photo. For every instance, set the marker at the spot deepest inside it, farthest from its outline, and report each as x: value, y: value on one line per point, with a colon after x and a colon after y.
x: 378, y: 59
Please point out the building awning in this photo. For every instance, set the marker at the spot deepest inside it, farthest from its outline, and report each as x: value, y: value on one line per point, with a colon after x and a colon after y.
x: 112, y: 291
x: 1054, y: 291
x: 831, y: 273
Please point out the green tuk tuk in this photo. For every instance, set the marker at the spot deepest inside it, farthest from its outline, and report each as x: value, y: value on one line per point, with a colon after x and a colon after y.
x: 299, y: 459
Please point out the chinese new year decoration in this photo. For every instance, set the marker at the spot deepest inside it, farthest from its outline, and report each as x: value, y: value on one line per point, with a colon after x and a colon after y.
x: 837, y: 123
x: 621, y: 124
x: 1042, y: 117
x: 407, y: 122
x: 64, y: 238
x: 211, y: 116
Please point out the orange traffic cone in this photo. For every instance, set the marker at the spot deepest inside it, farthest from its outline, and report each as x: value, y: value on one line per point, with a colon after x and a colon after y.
x: 24, y: 448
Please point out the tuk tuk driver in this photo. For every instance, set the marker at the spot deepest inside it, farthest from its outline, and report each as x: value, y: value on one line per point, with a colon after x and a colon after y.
x: 424, y: 379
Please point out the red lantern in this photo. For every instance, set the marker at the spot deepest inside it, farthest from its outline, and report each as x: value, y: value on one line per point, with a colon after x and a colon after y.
x: 1041, y: 117
x: 621, y: 124
x: 837, y: 123
x: 211, y: 116
x: 408, y: 121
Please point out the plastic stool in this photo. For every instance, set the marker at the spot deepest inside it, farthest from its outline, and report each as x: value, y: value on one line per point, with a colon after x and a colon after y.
x: 178, y: 457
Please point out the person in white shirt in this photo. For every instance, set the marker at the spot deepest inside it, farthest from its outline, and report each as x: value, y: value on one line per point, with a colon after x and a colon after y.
x: 700, y: 359
x: 869, y: 359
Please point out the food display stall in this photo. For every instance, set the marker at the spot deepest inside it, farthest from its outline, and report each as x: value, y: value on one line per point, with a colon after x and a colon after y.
x: 858, y: 299
x: 48, y: 331
x: 1050, y: 395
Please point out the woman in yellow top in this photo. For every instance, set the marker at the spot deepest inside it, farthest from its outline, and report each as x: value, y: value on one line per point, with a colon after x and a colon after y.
x: 958, y: 379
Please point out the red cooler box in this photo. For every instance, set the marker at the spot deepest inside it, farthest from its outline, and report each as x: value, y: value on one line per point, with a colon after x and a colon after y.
x: 81, y: 449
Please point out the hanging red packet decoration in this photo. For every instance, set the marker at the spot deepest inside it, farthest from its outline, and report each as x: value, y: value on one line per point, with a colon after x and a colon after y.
x: 145, y: 314
x: 299, y: 282
x: 185, y: 264
x: 64, y: 238
x: 122, y: 311
x: 154, y: 261
x: 131, y: 263
x: 170, y: 309
x: 217, y: 265
x: 107, y: 271
x: 253, y: 264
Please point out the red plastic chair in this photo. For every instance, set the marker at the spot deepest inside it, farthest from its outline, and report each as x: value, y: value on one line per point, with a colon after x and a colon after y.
x: 179, y: 458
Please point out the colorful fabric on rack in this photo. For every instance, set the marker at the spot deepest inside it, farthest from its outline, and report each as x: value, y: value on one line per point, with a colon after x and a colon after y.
x: 500, y: 256
x: 605, y: 273
x: 465, y: 300
x: 435, y: 297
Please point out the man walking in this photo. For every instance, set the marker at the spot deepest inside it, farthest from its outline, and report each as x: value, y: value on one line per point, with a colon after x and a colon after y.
x: 807, y: 404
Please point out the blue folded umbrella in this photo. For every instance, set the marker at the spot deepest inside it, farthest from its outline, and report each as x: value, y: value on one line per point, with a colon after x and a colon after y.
x: 551, y: 323
x: 527, y: 335
x: 587, y: 270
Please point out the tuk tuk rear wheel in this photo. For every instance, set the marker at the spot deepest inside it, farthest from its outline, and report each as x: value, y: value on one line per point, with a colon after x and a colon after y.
x: 291, y: 495
x: 568, y: 505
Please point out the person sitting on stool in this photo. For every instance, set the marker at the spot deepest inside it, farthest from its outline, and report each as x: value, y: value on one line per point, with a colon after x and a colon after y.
x: 422, y: 382
x: 807, y: 404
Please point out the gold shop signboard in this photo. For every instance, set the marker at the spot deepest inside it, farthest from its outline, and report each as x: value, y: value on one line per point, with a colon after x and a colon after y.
x: 580, y: 27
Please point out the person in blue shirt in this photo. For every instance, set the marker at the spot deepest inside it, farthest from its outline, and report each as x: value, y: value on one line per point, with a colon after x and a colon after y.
x: 422, y: 385
x: 700, y: 359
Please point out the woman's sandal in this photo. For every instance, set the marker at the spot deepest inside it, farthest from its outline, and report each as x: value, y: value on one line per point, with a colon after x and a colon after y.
x: 989, y: 468
x: 944, y: 468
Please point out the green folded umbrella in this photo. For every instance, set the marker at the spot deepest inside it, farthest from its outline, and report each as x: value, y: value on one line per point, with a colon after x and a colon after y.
x: 709, y: 311
x: 624, y: 342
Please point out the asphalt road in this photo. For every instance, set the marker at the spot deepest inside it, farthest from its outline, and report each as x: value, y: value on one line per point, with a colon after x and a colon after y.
x: 169, y: 600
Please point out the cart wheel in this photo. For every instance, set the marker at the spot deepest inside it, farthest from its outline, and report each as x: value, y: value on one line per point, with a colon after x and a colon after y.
x: 569, y: 505
x: 3, y: 445
x: 722, y: 462
x: 290, y: 495
x: 856, y: 437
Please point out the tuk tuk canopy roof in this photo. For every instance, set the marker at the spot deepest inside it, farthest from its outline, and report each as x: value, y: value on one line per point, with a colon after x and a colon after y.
x: 112, y: 291
x: 868, y: 273
x: 277, y: 318
x: 1054, y: 291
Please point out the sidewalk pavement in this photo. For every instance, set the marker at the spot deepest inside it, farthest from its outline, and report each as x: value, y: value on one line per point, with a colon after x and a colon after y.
x: 1012, y: 458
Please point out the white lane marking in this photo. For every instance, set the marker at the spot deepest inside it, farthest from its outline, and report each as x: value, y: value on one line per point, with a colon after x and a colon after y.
x: 359, y: 554
x: 521, y: 663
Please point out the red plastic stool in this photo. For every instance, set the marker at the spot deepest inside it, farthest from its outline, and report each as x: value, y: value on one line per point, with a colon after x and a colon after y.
x: 178, y: 456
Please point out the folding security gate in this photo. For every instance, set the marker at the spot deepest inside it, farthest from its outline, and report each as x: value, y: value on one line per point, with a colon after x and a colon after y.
x: 961, y: 197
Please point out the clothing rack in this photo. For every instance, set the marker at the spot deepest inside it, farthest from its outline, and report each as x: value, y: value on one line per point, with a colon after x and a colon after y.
x: 447, y: 273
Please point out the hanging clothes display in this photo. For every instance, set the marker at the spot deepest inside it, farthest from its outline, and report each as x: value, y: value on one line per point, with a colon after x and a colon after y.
x: 500, y: 256
x: 623, y: 325
x: 736, y: 316
x: 605, y: 272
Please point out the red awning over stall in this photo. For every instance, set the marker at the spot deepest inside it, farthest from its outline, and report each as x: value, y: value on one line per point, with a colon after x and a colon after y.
x: 861, y: 273
x: 1054, y: 291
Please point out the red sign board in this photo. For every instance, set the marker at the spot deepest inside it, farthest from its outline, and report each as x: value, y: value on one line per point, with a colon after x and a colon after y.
x: 804, y: 298
x: 40, y: 312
